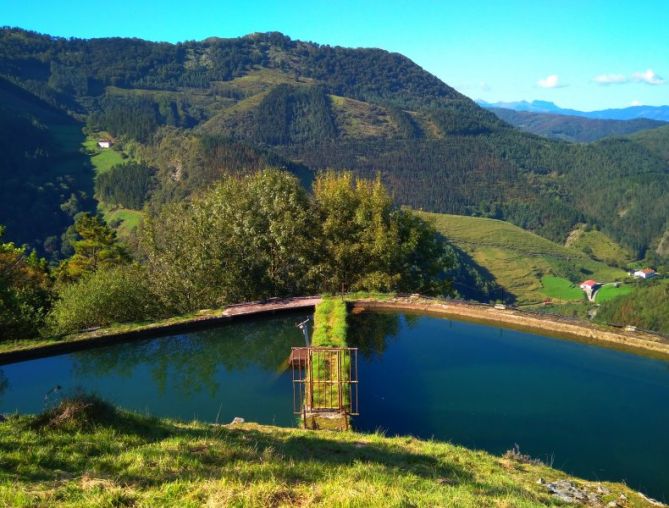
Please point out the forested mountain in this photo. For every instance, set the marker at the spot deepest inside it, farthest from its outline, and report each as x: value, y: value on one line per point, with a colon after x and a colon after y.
x: 194, y: 111
x: 656, y: 140
x: 45, y: 179
x: 573, y: 128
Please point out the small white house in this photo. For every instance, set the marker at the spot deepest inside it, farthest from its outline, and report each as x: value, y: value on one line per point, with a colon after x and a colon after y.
x: 104, y: 143
x: 646, y: 273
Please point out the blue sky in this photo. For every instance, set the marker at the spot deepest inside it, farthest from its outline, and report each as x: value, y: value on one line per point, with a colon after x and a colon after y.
x: 586, y: 54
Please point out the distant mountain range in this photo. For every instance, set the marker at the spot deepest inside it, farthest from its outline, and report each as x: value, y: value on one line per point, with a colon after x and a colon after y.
x: 660, y: 113
x: 576, y: 129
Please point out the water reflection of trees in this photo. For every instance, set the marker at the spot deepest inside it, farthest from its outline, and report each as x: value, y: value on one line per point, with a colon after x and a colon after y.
x: 189, y: 363
x: 4, y: 382
x: 371, y: 332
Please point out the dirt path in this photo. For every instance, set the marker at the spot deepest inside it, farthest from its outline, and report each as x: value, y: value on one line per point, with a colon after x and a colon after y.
x: 247, y: 309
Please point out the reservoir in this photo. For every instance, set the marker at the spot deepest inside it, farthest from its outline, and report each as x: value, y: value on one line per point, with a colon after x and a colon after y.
x: 595, y: 412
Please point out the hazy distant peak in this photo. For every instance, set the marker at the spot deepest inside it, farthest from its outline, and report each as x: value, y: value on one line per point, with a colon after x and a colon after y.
x: 660, y: 113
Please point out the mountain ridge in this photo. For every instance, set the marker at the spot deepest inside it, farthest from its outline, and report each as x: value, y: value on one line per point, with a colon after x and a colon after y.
x: 196, y: 110
x: 573, y: 128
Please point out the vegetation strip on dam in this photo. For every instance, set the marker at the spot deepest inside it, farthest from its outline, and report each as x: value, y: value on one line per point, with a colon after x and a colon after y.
x: 327, y: 376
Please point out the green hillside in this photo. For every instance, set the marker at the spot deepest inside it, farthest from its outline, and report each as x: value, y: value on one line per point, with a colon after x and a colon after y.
x: 528, y: 266
x: 647, y: 307
x: 195, y: 111
x: 85, y: 453
x: 656, y: 140
x: 598, y: 246
x: 46, y: 179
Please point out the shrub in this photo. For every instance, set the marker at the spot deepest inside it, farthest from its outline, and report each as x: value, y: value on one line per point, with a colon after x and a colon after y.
x: 80, y: 412
x: 113, y: 295
x: 25, y: 292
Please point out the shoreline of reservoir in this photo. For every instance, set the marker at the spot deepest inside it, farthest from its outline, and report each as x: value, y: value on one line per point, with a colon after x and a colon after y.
x: 636, y: 341
x: 639, y: 342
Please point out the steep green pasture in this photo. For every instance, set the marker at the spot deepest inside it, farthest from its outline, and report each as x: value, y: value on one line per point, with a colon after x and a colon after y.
x: 561, y: 289
x: 519, y: 260
x: 607, y: 293
x: 123, y: 220
x: 103, y: 159
x: 599, y: 246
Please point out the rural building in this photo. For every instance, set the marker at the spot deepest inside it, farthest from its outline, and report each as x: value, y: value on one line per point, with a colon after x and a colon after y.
x: 646, y: 273
x: 104, y: 143
x: 590, y: 286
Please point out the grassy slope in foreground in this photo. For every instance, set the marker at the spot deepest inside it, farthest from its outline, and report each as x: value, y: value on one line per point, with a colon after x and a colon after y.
x: 517, y: 258
x: 96, y: 455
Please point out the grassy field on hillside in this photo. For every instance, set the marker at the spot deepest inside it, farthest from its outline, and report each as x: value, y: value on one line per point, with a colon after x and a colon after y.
x: 518, y: 259
x: 103, y: 159
x: 560, y: 288
x: 607, y: 293
x: 86, y: 453
x: 124, y: 220
x: 598, y: 246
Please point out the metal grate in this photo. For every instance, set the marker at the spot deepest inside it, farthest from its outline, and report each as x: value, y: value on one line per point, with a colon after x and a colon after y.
x: 325, y: 379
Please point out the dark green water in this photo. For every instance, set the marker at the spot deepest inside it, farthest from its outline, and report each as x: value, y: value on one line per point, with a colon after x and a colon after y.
x: 214, y: 375
x: 594, y: 412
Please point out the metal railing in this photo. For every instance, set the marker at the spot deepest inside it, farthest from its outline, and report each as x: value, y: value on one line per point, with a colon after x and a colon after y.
x: 325, y: 379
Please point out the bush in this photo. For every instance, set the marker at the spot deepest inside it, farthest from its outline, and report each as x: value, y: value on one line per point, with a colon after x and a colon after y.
x: 25, y: 292
x: 113, y: 295
x: 80, y: 412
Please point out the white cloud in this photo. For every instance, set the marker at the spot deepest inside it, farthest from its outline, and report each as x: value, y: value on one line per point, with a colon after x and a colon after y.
x: 484, y: 86
x: 610, y: 79
x: 649, y: 77
x: 635, y: 103
x: 552, y: 81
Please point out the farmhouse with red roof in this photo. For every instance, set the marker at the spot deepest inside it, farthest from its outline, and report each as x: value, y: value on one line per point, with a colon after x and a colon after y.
x: 590, y: 286
x: 646, y: 273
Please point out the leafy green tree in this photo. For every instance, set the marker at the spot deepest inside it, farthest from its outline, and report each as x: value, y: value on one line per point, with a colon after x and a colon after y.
x: 422, y: 256
x: 96, y: 247
x: 25, y: 292
x: 365, y: 243
x: 245, y: 239
x: 356, y: 237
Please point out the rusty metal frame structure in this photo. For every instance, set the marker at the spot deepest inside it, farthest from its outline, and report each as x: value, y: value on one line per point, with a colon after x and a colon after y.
x: 325, y: 379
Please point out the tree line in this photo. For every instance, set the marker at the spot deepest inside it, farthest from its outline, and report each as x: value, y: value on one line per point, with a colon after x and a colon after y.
x: 247, y: 238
